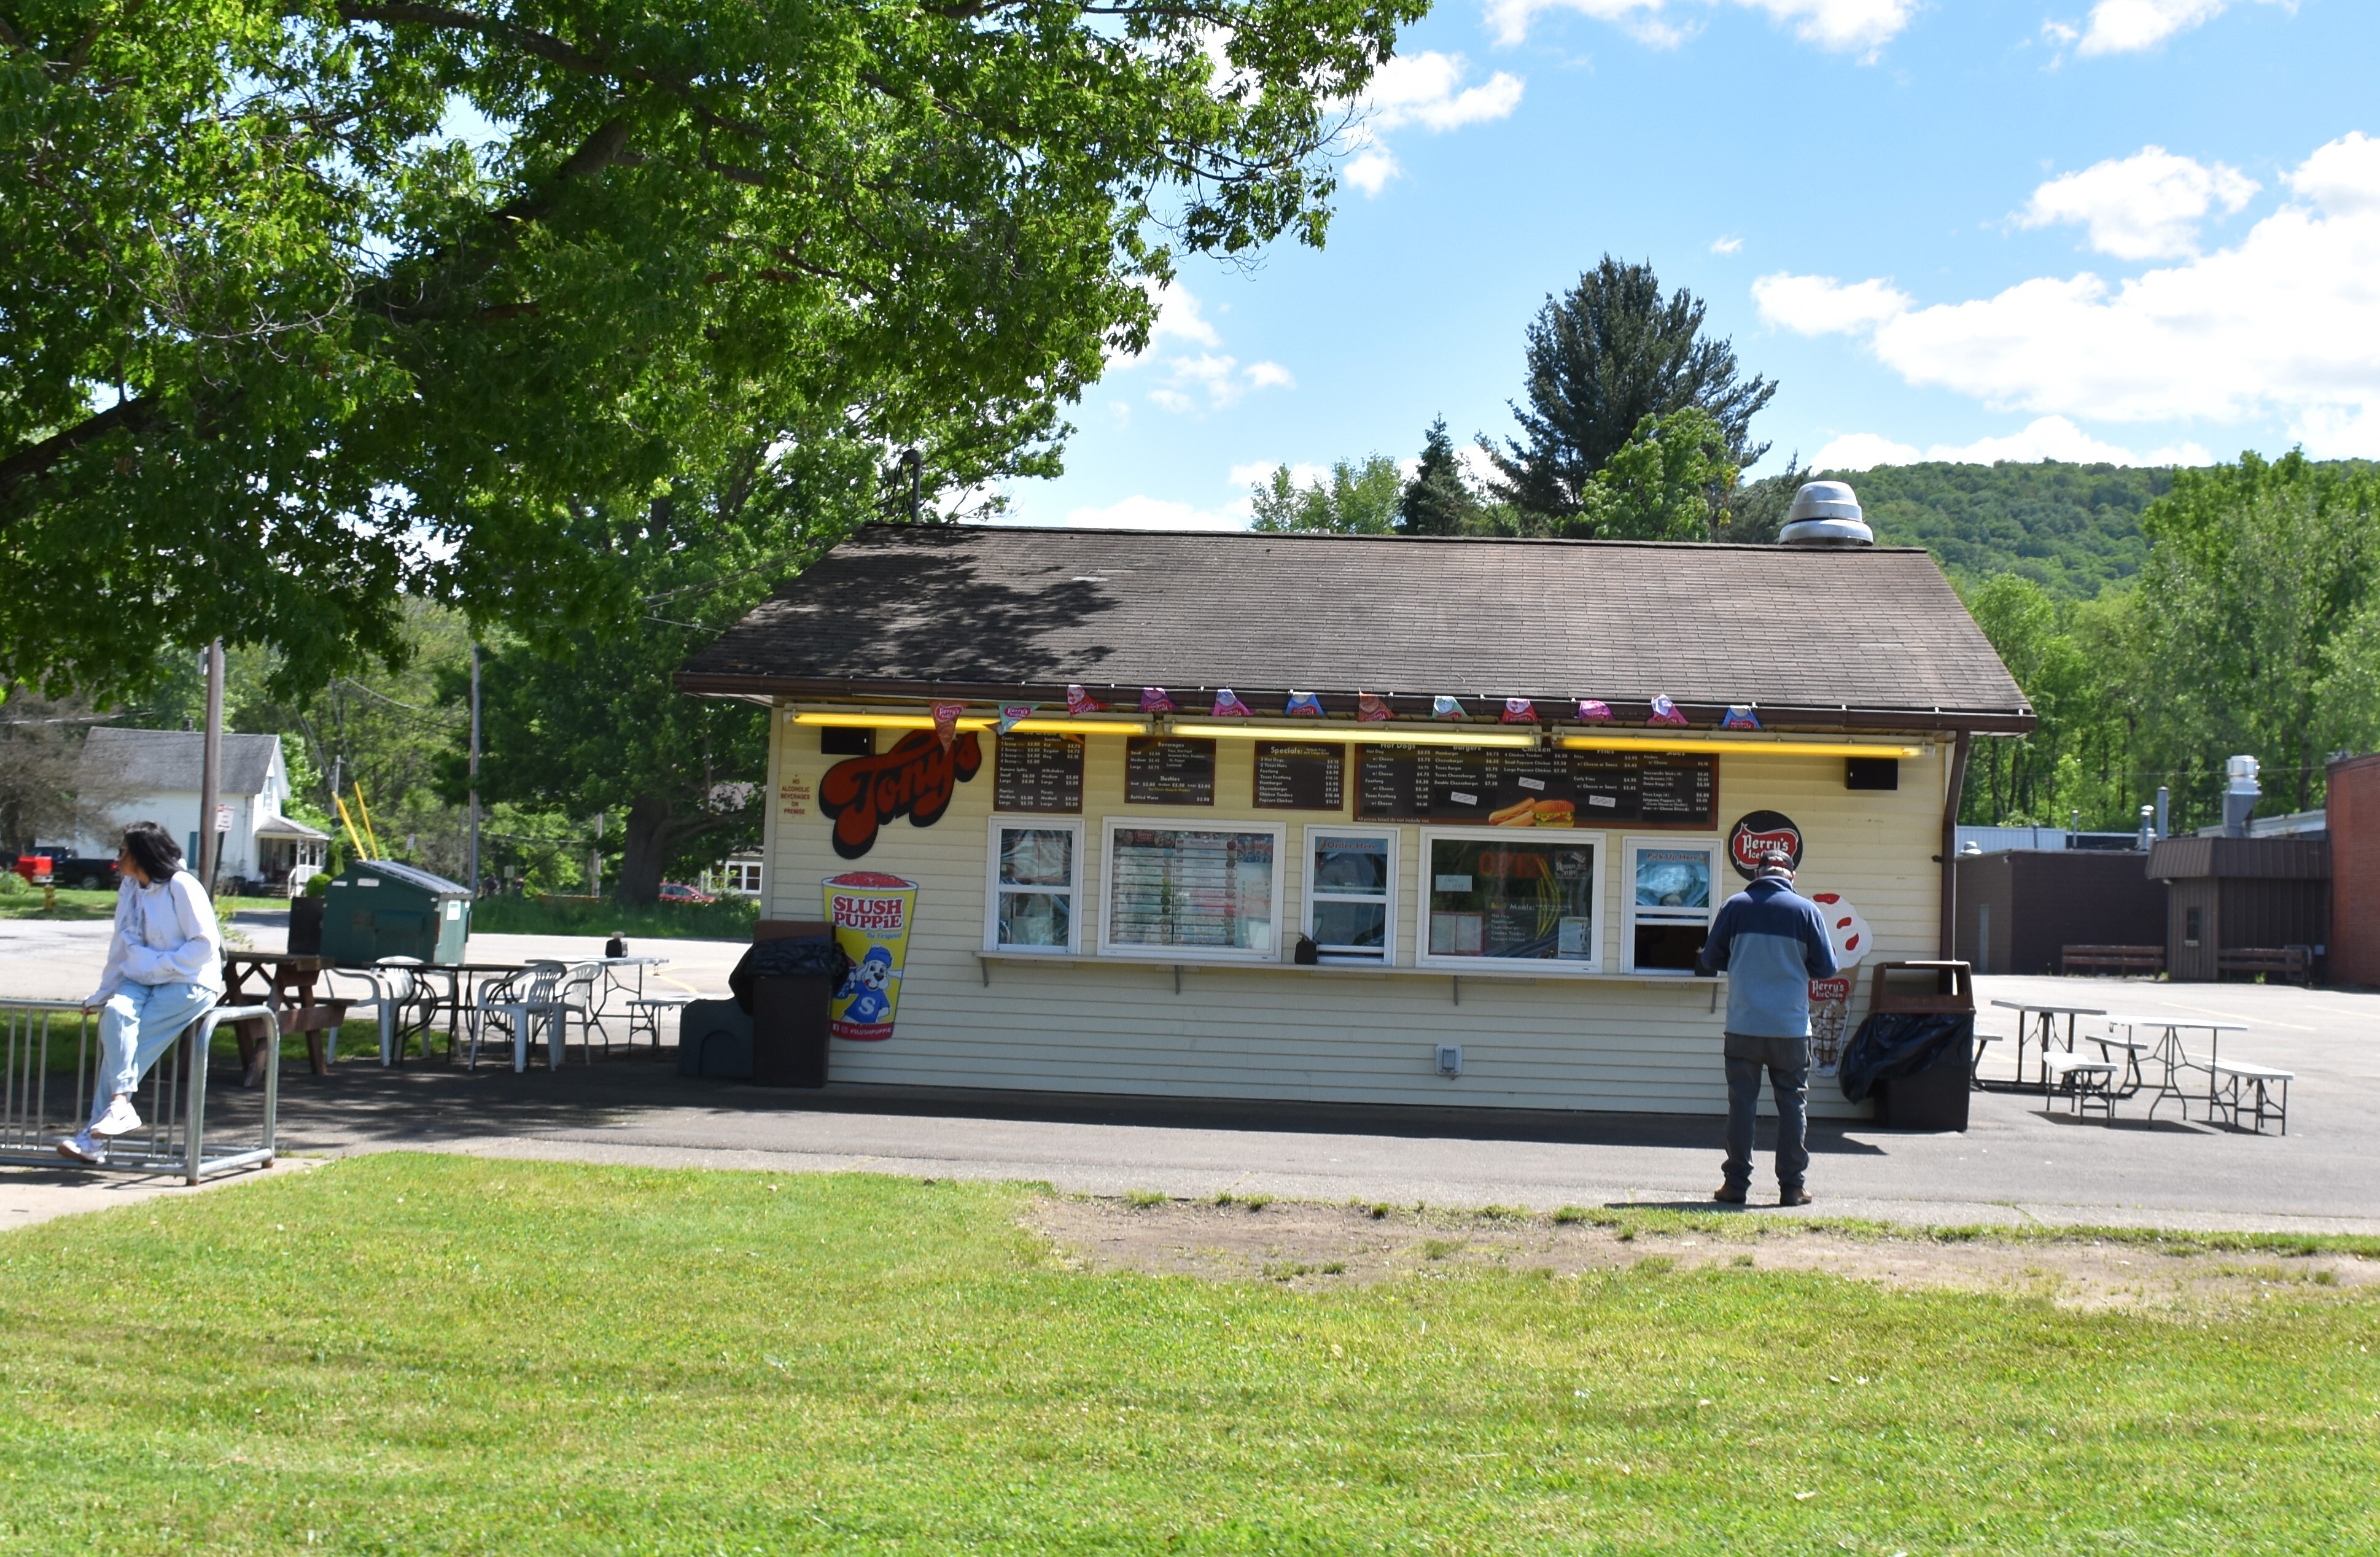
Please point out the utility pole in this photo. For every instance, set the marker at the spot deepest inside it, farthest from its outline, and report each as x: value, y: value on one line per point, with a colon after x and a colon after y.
x: 471, y: 852
x: 210, y: 859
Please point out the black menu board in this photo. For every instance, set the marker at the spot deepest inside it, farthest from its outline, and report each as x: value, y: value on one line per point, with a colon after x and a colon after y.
x: 1493, y: 787
x: 1300, y: 776
x: 1038, y: 773
x: 1169, y: 771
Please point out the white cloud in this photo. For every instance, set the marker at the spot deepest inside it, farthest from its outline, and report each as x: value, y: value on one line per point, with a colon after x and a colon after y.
x: 1819, y: 305
x: 2046, y: 438
x: 1427, y: 90
x: 1846, y: 26
x: 1220, y: 378
x: 1726, y: 245
x: 2142, y: 207
x: 2129, y: 26
x: 1371, y: 171
x: 2284, y: 324
x: 1140, y: 512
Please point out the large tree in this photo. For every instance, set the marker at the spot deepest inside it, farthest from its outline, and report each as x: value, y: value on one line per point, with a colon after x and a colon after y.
x: 1438, y: 501
x: 274, y: 342
x: 1602, y: 358
x: 1360, y: 498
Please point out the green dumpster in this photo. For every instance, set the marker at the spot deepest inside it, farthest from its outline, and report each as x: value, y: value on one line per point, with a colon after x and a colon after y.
x: 378, y: 908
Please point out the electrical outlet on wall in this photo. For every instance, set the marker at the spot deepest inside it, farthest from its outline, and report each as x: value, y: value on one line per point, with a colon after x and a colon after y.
x: 1450, y: 1060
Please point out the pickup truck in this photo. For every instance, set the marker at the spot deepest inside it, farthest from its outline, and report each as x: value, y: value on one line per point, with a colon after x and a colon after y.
x: 96, y: 872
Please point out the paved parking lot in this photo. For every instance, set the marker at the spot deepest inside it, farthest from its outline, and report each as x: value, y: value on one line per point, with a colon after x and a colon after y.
x: 2022, y: 1159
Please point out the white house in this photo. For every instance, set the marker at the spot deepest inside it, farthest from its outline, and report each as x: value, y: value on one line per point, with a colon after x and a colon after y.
x: 160, y: 772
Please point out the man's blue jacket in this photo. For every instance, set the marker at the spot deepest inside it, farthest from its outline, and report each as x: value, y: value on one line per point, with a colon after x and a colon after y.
x: 1770, y: 942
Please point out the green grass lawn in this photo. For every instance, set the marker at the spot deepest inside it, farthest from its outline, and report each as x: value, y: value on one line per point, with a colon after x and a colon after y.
x: 730, y: 919
x: 425, y: 1354
x: 77, y: 904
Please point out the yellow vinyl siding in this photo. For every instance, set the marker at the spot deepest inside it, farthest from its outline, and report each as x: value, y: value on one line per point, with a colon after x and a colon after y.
x: 1087, y: 1023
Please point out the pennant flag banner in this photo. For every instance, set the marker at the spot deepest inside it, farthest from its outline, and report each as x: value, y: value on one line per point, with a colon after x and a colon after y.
x: 1011, y: 714
x: 1305, y: 705
x: 1370, y: 710
x: 1080, y: 702
x: 1228, y: 705
x: 1594, y: 711
x: 1740, y: 717
x: 946, y: 723
x: 1519, y: 711
x: 1666, y: 712
x: 1444, y: 707
x: 1154, y: 700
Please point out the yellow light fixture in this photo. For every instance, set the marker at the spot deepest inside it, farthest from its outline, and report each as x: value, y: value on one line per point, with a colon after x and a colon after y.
x: 1740, y: 747
x: 1368, y: 735
x: 834, y: 720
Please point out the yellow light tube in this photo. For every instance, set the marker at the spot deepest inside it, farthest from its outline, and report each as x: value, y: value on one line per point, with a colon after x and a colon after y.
x: 1688, y: 743
x: 1370, y: 735
x: 1051, y: 726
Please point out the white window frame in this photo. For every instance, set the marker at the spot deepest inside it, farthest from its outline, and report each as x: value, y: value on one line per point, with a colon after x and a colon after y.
x: 1141, y: 951
x: 1598, y: 893
x: 1315, y: 833
x: 1630, y: 846
x: 992, y: 888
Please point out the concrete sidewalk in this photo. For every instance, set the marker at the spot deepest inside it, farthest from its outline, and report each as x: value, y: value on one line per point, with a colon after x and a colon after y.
x: 2022, y: 1160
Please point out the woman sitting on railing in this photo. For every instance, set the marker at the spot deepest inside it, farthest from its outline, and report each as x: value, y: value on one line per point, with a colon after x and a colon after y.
x: 164, y: 969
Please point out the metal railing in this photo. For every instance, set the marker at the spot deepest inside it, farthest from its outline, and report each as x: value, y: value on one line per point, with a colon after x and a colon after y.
x: 49, y: 1059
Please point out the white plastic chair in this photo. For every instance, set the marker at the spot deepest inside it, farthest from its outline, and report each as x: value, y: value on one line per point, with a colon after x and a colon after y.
x: 512, y: 1003
x: 581, y: 995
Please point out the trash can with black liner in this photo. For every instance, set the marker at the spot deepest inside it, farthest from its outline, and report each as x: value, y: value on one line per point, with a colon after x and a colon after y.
x: 1916, y: 1065
x: 785, y: 983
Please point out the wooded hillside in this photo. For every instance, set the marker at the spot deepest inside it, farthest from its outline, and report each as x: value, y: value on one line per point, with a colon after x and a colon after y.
x: 2072, y: 529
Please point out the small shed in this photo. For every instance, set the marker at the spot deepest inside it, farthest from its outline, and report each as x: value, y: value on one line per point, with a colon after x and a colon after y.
x: 2239, y: 894
x: 2018, y: 910
x: 378, y: 908
x: 2354, y: 808
x: 1346, y: 818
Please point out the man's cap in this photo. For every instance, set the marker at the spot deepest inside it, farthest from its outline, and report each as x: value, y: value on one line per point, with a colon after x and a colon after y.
x: 1776, y: 862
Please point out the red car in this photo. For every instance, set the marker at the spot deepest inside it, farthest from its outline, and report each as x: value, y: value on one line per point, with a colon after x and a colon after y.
x: 678, y: 892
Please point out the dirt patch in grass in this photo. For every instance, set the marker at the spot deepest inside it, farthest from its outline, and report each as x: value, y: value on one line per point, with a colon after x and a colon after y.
x: 1313, y: 1246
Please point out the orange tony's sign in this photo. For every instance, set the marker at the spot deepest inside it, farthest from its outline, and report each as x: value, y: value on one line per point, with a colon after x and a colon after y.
x: 916, y: 779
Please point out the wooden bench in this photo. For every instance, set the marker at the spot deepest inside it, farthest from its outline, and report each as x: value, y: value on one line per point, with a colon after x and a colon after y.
x: 2112, y: 959
x: 2089, y: 1083
x: 2240, y: 1088
x: 2291, y: 963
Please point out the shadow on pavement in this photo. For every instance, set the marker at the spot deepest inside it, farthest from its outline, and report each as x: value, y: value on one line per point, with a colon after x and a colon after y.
x: 361, y: 1104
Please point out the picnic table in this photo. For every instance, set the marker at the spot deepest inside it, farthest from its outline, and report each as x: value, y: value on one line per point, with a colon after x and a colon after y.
x: 286, y: 984
x: 2165, y: 1051
x: 2038, y: 1023
x: 461, y: 984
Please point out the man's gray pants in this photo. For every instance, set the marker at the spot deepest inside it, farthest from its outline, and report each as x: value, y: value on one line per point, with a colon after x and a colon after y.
x: 1787, y: 1061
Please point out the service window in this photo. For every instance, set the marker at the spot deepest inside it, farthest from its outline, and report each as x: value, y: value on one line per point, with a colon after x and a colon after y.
x: 1512, y: 897
x: 1037, y: 880
x: 1195, y: 893
x: 1670, y: 900
x: 1351, y: 882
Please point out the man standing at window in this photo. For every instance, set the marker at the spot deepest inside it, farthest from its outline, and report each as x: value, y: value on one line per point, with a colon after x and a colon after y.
x: 1770, y: 942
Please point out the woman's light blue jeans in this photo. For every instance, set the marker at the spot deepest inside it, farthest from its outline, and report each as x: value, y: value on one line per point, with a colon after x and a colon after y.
x: 139, y: 1023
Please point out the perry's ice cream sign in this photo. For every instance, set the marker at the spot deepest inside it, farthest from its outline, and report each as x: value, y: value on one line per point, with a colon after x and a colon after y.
x: 871, y: 914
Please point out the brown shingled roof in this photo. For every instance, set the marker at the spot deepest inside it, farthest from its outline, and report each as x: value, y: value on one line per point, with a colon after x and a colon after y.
x: 1872, y: 637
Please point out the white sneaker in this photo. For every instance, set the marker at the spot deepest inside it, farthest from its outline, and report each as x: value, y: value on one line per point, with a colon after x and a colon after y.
x: 121, y: 1119
x: 84, y: 1148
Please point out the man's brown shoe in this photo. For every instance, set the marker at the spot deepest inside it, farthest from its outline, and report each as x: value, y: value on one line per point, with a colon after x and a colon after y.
x: 1727, y: 1195
x: 1792, y: 1196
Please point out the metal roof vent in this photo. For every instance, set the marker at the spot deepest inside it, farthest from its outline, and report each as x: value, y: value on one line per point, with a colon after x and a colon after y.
x: 1825, y: 514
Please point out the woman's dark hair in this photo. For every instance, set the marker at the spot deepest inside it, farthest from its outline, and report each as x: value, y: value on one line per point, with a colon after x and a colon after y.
x: 154, y: 849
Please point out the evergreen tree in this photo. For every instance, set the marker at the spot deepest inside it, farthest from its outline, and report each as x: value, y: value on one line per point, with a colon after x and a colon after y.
x: 1602, y: 358
x: 1438, y: 501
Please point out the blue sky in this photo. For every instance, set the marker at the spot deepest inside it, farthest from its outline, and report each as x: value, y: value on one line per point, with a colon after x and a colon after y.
x: 2141, y: 230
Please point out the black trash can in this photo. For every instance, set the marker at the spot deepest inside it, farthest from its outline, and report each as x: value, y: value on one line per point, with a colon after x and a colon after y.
x: 787, y: 982
x: 1915, y: 1065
